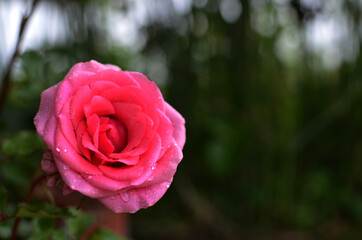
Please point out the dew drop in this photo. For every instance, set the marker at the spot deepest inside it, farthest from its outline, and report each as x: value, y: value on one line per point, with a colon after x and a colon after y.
x: 90, y: 176
x: 153, y: 168
x: 58, y: 149
x: 125, y: 196
x: 65, y: 150
x: 74, y: 180
x: 168, y: 185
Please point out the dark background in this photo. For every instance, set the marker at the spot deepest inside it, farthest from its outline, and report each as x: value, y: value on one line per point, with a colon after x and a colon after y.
x: 270, y: 90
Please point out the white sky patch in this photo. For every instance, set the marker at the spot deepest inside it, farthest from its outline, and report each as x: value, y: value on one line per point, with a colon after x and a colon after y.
x: 328, y: 38
x: 230, y: 10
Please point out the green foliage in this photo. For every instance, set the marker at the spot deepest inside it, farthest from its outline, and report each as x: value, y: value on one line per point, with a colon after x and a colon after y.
x: 40, y: 211
x: 22, y: 143
x: 79, y: 223
x: 101, y: 234
x: 3, y: 198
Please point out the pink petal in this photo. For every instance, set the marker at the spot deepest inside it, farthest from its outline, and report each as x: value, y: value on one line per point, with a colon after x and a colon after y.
x: 136, y: 198
x: 81, y: 73
x: 134, y: 120
x: 80, y: 132
x: 165, y: 130
x: 65, y: 153
x: 150, y: 88
x: 166, y: 166
x: 105, y: 145
x: 67, y: 126
x: 118, y: 77
x: 45, y: 120
x: 76, y: 112
x: 76, y: 182
x: 124, y: 173
x: 93, y: 123
x: 117, y: 134
x: 100, y: 106
x: 178, y: 123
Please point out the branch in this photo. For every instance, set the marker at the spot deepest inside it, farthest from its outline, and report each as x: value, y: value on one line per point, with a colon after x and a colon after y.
x: 8, y: 71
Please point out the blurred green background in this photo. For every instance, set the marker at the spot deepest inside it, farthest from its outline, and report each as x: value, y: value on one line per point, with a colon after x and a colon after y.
x: 270, y: 90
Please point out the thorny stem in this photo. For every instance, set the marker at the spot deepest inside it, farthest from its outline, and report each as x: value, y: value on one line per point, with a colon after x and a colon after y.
x: 8, y: 71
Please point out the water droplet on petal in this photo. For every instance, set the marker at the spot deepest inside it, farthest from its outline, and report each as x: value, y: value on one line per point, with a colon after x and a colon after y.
x: 58, y: 149
x: 65, y: 150
x: 153, y: 167
x: 74, y: 180
x: 90, y: 176
x: 168, y: 185
x: 125, y: 196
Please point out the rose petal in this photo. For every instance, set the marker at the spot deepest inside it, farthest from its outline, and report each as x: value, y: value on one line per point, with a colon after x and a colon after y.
x: 80, y: 132
x: 137, y: 198
x: 64, y: 152
x: 165, y: 131
x: 178, y: 123
x: 81, y: 73
x: 93, y: 123
x: 117, y: 134
x: 105, y: 145
x: 100, y: 106
x: 45, y: 120
x: 134, y: 120
x: 167, y: 164
x: 124, y: 173
x: 67, y: 126
x: 76, y: 111
x: 118, y: 77
x: 150, y: 88
x: 76, y: 182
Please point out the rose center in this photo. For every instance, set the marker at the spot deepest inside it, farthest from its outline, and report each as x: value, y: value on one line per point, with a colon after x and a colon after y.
x: 112, y: 135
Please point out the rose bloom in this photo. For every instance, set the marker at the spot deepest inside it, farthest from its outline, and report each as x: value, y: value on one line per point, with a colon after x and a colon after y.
x: 111, y: 136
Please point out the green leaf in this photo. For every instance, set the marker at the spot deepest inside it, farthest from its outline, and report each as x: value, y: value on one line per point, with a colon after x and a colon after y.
x: 81, y: 222
x: 3, y: 198
x: 22, y: 143
x: 40, y: 211
x: 102, y: 233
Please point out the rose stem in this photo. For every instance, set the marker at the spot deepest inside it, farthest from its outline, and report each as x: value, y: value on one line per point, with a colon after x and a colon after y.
x: 9, y: 69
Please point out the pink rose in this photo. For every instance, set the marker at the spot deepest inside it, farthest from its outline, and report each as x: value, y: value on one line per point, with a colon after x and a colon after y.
x: 111, y: 136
